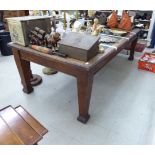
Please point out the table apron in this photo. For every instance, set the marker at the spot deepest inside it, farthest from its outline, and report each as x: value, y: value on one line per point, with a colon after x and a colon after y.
x: 60, y: 66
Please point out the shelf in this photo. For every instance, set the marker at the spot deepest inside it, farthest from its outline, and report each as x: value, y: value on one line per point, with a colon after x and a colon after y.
x: 146, y: 30
x: 143, y: 17
x: 141, y: 39
x: 140, y: 20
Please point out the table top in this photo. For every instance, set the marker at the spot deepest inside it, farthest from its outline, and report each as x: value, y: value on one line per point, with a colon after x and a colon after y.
x: 113, y: 50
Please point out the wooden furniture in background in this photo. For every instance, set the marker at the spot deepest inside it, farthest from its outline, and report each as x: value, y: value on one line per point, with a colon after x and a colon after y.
x: 13, y: 13
x: 83, y: 71
x: 18, y: 127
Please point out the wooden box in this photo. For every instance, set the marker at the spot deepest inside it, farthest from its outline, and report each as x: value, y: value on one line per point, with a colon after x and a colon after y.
x: 79, y: 46
x: 20, y: 27
x: 147, y: 62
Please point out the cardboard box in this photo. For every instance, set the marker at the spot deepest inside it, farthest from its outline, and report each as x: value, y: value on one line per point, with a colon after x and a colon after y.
x: 147, y: 62
x: 79, y: 46
x: 20, y: 27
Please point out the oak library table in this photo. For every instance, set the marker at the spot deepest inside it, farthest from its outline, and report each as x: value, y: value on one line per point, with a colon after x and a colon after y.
x: 83, y: 71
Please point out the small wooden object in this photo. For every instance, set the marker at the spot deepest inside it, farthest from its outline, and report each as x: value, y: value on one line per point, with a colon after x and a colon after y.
x: 79, y: 46
x: 41, y: 49
x: 35, y: 124
x: 17, y: 126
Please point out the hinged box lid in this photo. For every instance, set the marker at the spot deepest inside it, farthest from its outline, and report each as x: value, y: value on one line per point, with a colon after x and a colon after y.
x: 26, y: 18
x: 79, y: 40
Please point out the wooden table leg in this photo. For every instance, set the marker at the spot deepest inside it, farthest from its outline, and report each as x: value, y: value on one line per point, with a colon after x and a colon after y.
x: 24, y: 71
x: 132, y: 51
x: 84, y: 84
x: 35, y: 144
x: 34, y: 78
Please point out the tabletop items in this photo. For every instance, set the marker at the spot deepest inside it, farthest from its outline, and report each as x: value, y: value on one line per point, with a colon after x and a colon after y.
x: 79, y: 46
x: 112, y: 21
x: 20, y: 27
x: 45, y: 43
x: 41, y: 38
x: 124, y: 24
x: 30, y: 31
x: 108, y: 39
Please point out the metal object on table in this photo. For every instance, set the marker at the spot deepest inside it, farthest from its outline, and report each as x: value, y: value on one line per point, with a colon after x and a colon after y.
x: 118, y: 32
x: 108, y: 39
x: 20, y: 27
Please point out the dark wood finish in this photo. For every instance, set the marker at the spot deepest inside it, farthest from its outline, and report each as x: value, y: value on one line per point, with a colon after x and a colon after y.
x: 24, y: 71
x: 13, y: 13
x: 132, y: 51
x: 83, y: 71
x: 84, y: 84
x: 34, y: 78
x: 22, y: 129
x: 79, y: 46
x: 39, y: 128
